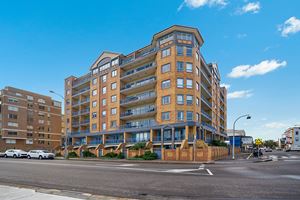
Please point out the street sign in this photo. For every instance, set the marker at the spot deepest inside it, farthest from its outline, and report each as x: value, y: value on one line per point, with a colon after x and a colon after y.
x: 258, y: 142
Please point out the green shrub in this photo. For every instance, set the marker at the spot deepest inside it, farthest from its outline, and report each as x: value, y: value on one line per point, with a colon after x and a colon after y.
x: 58, y: 154
x: 139, y: 145
x: 110, y: 155
x: 120, y: 156
x: 72, y: 155
x: 218, y: 143
x: 148, y: 155
x: 88, y: 154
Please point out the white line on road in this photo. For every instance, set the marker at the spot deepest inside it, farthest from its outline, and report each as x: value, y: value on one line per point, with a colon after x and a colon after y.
x: 201, y: 166
x: 209, y: 172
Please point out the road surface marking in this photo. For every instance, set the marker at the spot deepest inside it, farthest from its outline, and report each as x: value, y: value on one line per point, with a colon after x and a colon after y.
x: 201, y: 166
x: 181, y: 170
x: 209, y: 172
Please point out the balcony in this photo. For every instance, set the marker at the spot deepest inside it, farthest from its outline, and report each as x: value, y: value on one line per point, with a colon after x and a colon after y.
x: 203, y: 99
x: 85, y: 122
x: 82, y: 80
x: 139, y: 113
x: 139, y: 86
x: 222, y: 118
x: 113, y: 141
x: 206, y: 115
x: 207, y: 92
x: 85, y: 111
x: 156, y: 139
x: 137, y: 73
x: 75, y: 124
x: 78, y: 103
x: 206, y: 77
x: 79, y: 143
x: 143, y: 124
x: 144, y: 98
x: 136, y: 140
x: 137, y: 58
x: 208, y: 127
x: 94, y: 142
x: 82, y: 91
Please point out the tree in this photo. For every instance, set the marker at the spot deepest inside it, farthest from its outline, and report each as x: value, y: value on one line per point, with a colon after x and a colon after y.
x: 270, y: 144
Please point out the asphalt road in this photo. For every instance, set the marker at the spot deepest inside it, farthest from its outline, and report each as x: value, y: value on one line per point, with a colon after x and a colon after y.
x: 239, y: 179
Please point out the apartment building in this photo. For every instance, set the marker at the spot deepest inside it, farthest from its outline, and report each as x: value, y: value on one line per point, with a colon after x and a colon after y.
x: 291, y: 138
x: 28, y: 120
x: 164, y: 93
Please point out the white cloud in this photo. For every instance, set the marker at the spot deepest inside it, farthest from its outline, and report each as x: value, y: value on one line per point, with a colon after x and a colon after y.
x: 252, y: 7
x: 276, y: 125
x: 227, y: 86
x: 200, y: 3
x: 290, y: 26
x: 262, y: 68
x: 240, y: 94
x: 241, y: 35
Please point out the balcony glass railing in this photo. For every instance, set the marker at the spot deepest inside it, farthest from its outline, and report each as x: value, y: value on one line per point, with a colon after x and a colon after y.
x: 81, y: 91
x: 87, y: 121
x: 82, y: 80
x: 114, y: 141
x: 139, y: 83
x: 208, y: 126
x: 95, y: 142
x: 143, y: 96
x: 136, y: 70
x: 140, y: 55
x: 205, y: 76
x: 138, y: 111
x: 136, y: 140
x: 87, y: 110
x: 206, y: 101
x: 208, y: 116
x: 139, y: 124
x: 79, y: 143
x: 156, y: 139
x: 81, y: 102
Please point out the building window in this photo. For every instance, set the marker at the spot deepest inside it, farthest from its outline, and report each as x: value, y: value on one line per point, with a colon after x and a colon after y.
x: 189, y: 51
x: 103, y: 126
x: 189, y: 83
x: 184, y: 36
x: 197, y: 101
x: 113, y: 111
x: 95, y: 71
x: 197, y: 56
x: 179, y: 50
x: 180, y: 82
x: 104, y: 90
x: 12, y: 133
x: 197, y: 117
x: 114, y: 86
x: 94, y: 115
x: 103, y: 102
x: 94, y: 127
x: 115, y: 62
x: 113, y: 124
x: 180, y: 116
x: 13, y: 124
x: 12, y: 100
x: 103, y: 78
x: 166, y: 100
x: 189, y: 67
x: 180, y: 99
x: 114, y: 73
x: 297, y: 132
x: 94, y: 104
x: 166, y: 52
x: 94, y: 81
x: 13, y: 108
x: 165, y: 84
x: 94, y: 92
x: 103, y: 113
x: 10, y: 141
x: 113, y: 98
x: 189, y: 100
x: 165, y: 68
x: 165, y: 116
x: 12, y: 116
x: 197, y: 86
x: 179, y: 66
x: 189, y: 115
x: 197, y: 71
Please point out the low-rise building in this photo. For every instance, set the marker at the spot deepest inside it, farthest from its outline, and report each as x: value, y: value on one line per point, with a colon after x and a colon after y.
x: 28, y: 120
x: 291, y: 138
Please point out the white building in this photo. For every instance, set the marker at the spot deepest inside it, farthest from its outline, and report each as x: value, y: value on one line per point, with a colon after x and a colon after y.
x: 292, y: 138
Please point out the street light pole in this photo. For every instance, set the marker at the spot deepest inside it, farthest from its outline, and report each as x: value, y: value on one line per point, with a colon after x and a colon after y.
x: 233, y: 135
x: 66, y: 136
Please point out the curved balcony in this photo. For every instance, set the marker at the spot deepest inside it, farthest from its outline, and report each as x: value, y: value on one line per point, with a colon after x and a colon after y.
x: 139, y: 86
x: 138, y: 113
x: 139, y: 72
x: 144, y: 98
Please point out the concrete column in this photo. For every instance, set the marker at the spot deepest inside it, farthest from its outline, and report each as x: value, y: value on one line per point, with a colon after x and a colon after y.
x: 195, y: 132
x: 162, y: 137
x: 125, y: 137
x: 187, y: 132
x: 151, y: 135
x: 173, y: 138
x: 103, y: 139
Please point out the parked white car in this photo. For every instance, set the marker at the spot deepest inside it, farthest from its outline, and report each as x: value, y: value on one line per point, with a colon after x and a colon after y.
x: 40, y: 154
x: 15, y: 153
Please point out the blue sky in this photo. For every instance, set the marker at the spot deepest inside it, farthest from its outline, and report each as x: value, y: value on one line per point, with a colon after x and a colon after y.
x: 255, y: 43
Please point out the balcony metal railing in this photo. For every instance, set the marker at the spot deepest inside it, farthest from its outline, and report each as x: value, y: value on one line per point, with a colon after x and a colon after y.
x: 138, y: 111
x: 139, y: 69
x: 81, y: 102
x: 139, y: 83
x: 143, y: 96
x: 136, y: 140
x: 81, y: 91
x: 206, y: 114
x: 84, y: 79
x: 208, y: 126
x: 140, y: 55
x: 143, y: 124
x: 206, y: 101
x: 205, y: 76
x: 84, y: 111
x: 84, y: 122
x: 95, y: 142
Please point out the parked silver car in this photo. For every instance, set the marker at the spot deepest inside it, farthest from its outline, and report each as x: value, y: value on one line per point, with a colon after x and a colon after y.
x: 40, y: 154
x: 15, y: 153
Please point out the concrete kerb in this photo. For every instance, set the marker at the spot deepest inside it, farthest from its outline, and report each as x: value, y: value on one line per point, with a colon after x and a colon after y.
x: 137, y: 161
